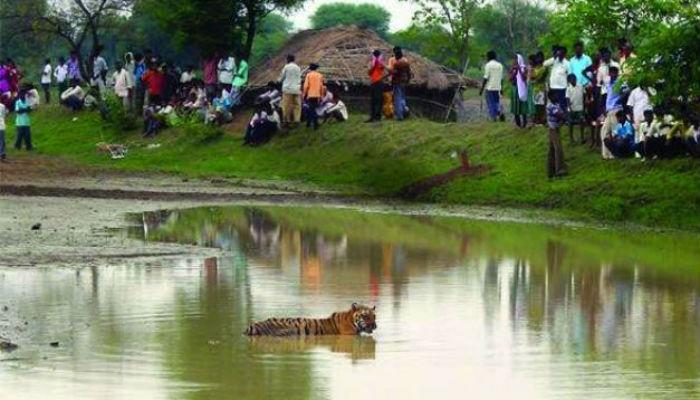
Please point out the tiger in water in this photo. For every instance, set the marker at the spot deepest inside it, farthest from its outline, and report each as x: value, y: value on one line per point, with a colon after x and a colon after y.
x: 358, y: 319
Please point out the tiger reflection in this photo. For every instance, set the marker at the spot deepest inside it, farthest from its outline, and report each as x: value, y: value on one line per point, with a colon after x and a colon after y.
x: 355, y: 347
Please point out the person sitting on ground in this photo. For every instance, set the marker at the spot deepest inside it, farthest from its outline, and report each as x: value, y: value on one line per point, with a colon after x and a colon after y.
x: 647, y: 141
x: 621, y: 141
x: 673, y: 132
x: 693, y: 138
x: 263, y: 125
x: 331, y: 107
x: 73, y: 96
x: 272, y: 95
x: 152, y: 121
x: 574, y: 98
x: 312, y: 94
x: 556, y: 167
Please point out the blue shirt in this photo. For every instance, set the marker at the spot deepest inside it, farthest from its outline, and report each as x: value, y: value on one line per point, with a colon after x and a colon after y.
x: 139, y: 70
x: 22, y: 119
x: 577, y: 66
x: 614, y: 100
x: 625, y: 132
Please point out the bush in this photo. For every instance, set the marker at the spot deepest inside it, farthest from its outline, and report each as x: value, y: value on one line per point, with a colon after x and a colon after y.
x: 199, y: 132
x: 121, y: 119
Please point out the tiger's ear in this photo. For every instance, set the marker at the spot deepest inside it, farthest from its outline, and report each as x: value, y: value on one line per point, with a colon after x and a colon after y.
x: 354, y: 306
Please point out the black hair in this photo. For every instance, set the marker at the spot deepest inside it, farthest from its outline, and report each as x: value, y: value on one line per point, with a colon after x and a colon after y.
x: 604, y: 50
x: 648, y: 111
x: 552, y: 96
x: 313, y: 66
x: 613, y: 68
x: 377, y: 52
x: 621, y: 114
x: 48, y: 60
x: 290, y: 58
x: 491, y: 55
x: 578, y: 43
x: 61, y: 60
x: 398, y: 52
x: 571, y: 77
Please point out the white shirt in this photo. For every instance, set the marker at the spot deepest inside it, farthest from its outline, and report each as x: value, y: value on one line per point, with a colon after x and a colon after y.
x: 227, y: 69
x: 639, y: 101
x: 575, y: 96
x: 60, y: 73
x: 558, y: 73
x: 493, y: 73
x: 46, y: 74
x: 3, y: 113
x: 186, y: 77
x: 76, y: 91
x: 604, y: 75
x: 291, y: 79
x: 122, y: 82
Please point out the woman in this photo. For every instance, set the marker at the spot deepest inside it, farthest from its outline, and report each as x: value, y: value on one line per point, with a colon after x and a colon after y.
x: 520, y: 104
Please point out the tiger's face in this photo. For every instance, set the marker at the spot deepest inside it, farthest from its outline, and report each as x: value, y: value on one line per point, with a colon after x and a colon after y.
x: 364, y: 318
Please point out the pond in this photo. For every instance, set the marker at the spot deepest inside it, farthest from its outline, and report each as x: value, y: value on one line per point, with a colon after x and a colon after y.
x: 464, y: 308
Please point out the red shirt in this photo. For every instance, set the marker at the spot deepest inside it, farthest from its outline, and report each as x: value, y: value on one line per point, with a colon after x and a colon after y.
x: 155, y: 82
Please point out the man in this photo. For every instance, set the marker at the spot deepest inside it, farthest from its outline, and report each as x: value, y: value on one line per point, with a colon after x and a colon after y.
x: 210, y: 76
x: 579, y: 63
x: 558, y: 75
x: 290, y: 78
x: 46, y: 75
x: 22, y: 123
x: 620, y: 142
x: 140, y: 91
x: 613, y: 105
x: 556, y: 167
x: 74, y: 67
x: 60, y: 73
x: 376, y: 73
x: 74, y: 96
x: 493, y: 79
x: 155, y: 83
x: 240, y: 79
x: 3, y: 113
x: 313, y: 91
x: 401, y: 75
x: 122, y: 84
x: 638, y: 101
x: 226, y: 70
x: 99, y: 71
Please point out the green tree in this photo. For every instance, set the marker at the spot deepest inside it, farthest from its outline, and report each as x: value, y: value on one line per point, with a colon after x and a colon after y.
x: 273, y: 33
x: 509, y: 26
x: 432, y: 42
x: 457, y: 16
x: 364, y: 15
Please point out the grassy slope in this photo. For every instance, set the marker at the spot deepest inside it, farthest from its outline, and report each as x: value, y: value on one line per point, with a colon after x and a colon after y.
x: 379, y: 159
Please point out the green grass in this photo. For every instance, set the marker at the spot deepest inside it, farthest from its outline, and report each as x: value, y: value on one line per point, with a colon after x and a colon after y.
x: 379, y: 159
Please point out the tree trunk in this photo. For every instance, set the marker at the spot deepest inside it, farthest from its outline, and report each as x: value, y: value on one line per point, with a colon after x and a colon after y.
x: 251, y: 30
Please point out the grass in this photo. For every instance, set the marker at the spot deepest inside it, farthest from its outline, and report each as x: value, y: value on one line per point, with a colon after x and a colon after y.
x: 379, y: 159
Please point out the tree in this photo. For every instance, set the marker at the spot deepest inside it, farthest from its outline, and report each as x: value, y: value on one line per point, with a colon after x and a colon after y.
x: 213, y: 26
x: 432, y: 42
x: 509, y: 26
x: 273, y: 33
x: 455, y: 15
x: 79, y: 23
x: 363, y: 15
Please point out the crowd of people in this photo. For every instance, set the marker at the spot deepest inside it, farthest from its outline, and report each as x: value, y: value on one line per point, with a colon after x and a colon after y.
x: 589, y: 93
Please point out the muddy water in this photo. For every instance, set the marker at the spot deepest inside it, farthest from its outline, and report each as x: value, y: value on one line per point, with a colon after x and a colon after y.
x: 465, y: 309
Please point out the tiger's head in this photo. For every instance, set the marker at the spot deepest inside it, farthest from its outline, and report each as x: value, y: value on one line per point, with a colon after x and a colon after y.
x: 363, y: 317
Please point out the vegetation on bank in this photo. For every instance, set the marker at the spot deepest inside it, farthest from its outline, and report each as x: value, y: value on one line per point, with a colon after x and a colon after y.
x: 379, y: 159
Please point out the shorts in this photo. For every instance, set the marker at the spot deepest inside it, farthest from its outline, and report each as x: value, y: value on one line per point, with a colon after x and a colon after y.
x: 576, y: 117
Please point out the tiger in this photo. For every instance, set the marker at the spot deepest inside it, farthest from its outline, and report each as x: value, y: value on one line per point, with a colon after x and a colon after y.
x: 358, y: 319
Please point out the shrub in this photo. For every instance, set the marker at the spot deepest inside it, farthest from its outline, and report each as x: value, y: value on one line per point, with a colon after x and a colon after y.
x: 117, y: 116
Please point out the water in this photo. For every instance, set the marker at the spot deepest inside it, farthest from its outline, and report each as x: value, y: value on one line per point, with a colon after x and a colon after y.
x: 464, y: 308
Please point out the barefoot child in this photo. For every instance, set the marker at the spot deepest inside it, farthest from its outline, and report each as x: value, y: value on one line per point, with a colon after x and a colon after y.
x: 575, y: 95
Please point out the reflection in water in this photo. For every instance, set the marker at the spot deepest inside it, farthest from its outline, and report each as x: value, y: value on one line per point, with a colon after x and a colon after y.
x: 491, y: 309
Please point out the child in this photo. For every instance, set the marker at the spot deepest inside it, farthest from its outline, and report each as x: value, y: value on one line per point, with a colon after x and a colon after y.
x: 3, y: 112
x: 46, y: 74
x: 620, y: 142
x: 647, y: 138
x: 574, y: 99
x: 555, y: 117
x: 60, y: 73
x: 692, y: 138
x: 22, y: 109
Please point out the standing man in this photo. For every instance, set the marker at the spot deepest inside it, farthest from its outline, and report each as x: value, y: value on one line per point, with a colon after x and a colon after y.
x: 226, y: 69
x: 559, y: 72
x: 99, y: 71
x: 493, y: 78
x: 376, y: 76
x: 60, y: 73
x: 22, y: 110
x: 613, y: 105
x: 290, y: 78
x: 401, y: 74
x: 74, y: 67
x: 139, y: 71
x: 313, y: 92
x: 46, y: 74
x: 123, y: 85
x: 210, y: 75
x: 579, y: 63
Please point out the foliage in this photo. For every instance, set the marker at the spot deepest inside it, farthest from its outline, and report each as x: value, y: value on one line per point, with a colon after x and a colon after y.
x: 457, y: 16
x: 510, y: 26
x: 432, y: 42
x: 363, y: 15
x: 273, y: 33
x: 117, y: 116
x: 199, y: 133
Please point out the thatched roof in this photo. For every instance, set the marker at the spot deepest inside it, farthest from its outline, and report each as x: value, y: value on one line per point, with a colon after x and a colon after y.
x: 343, y: 53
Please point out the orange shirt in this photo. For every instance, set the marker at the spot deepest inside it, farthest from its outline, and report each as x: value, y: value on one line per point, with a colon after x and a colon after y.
x: 376, y: 71
x: 313, y: 85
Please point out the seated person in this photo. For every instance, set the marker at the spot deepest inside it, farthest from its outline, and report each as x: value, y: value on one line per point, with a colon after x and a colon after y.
x: 331, y: 106
x: 272, y: 95
x: 74, y: 96
x: 672, y: 131
x: 621, y: 141
x: 692, y: 139
x: 263, y: 125
x: 649, y: 143
x: 153, y: 122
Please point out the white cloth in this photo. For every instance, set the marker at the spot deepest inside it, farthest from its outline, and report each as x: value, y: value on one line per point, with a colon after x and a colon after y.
x: 559, y: 71
x: 122, y: 83
x: 60, y: 73
x: 604, y: 75
x: 3, y: 113
x: 46, y: 74
x: 575, y: 96
x: 76, y: 91
x: 640, y: 102
x: 291, y: 79
x: 186, y: 77
x: 493, y: 74
x: 227, y: 69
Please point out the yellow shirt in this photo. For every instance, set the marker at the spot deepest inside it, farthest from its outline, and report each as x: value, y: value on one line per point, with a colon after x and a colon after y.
x: 313, y: 85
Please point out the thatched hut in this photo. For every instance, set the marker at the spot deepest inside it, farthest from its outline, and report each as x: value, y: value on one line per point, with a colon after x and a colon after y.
x: 343, y: 53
